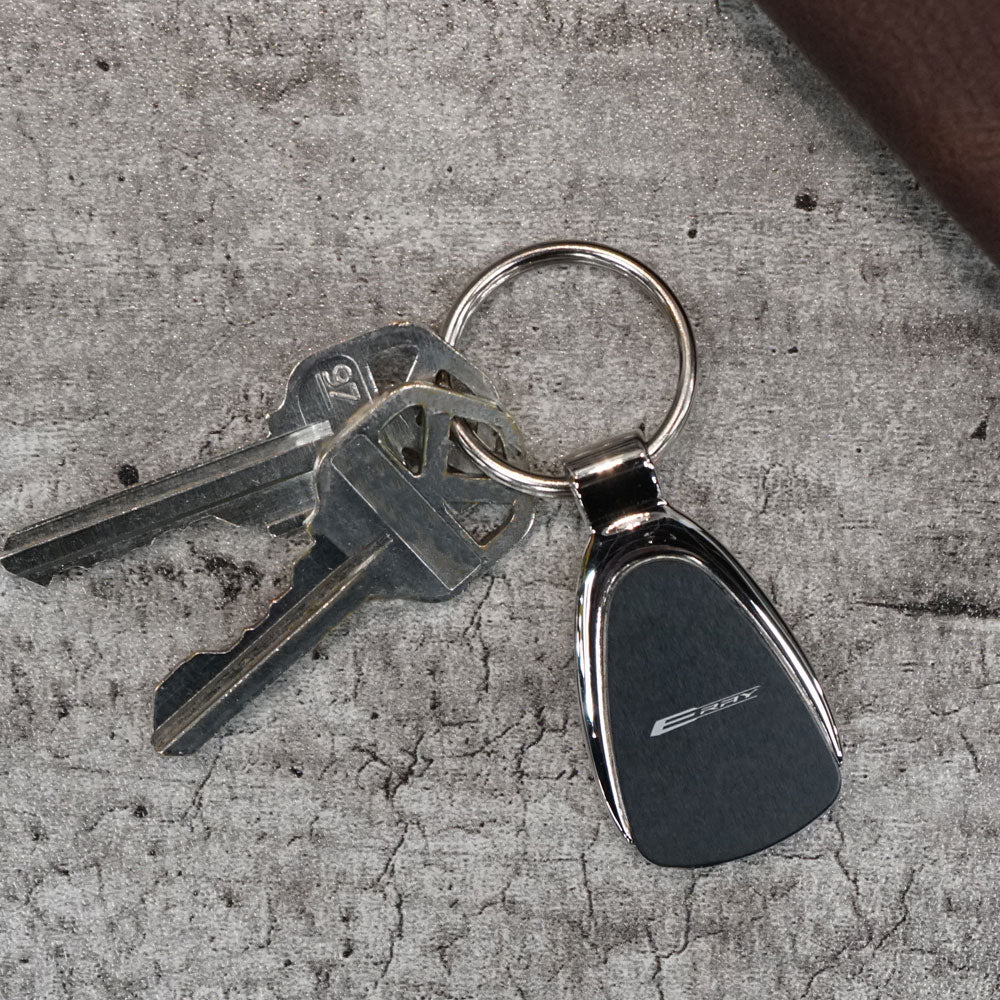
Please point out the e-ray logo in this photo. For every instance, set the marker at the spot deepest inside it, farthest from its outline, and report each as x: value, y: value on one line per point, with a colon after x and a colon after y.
x: 672, y: 722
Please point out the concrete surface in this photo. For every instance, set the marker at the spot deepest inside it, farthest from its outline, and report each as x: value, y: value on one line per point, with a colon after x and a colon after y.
x: 197, y: 194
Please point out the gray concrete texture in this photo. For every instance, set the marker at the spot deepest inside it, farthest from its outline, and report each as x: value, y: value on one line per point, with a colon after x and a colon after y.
x: 195, y: 195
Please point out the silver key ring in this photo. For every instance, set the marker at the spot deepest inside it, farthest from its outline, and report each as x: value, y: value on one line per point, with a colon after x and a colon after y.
x: 564, y: 253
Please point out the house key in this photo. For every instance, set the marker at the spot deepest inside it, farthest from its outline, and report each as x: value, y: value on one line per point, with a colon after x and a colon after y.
x: 709, y: 733
x: 269, y: 483
x: 384, y: 528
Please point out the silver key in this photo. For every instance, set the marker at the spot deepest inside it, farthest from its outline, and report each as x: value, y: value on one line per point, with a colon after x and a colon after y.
x: 383, y: 528
x: 269, y: 483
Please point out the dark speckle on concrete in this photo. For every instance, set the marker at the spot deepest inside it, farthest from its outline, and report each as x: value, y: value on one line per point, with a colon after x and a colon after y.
x: 234, y: 577
x: 805, y: 201
x: 102, y: 64
x: 128, y: 474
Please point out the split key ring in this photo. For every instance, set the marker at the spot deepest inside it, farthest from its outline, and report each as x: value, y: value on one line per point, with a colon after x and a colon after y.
x: 596, y: 255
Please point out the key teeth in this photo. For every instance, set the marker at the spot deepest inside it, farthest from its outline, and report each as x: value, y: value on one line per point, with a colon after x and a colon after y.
x: 158, y: 716
x: 191, y: 675
x: 43, y: 575
x: 19, y: 557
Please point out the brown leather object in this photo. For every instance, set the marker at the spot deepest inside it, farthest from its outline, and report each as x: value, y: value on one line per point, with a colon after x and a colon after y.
x: 926, y: 74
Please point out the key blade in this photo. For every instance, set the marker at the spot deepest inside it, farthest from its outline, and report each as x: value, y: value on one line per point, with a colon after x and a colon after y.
x: 208, y: 689
x: 281, y: 507
x: 254, y: 485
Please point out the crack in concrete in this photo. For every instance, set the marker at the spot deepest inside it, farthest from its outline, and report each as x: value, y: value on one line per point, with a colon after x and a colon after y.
x: 941, y: 605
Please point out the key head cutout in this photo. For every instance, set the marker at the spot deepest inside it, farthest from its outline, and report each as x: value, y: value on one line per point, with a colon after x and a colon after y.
x: 424, y: 494
x: 709, y: 734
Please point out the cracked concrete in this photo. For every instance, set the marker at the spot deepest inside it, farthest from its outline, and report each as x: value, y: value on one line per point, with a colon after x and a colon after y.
x: 195, y: 196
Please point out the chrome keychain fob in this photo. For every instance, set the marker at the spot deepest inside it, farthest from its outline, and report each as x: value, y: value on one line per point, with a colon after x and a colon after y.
x: 709, y: 734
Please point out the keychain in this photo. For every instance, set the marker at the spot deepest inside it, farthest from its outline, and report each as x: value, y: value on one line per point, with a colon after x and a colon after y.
x: 709, y: 733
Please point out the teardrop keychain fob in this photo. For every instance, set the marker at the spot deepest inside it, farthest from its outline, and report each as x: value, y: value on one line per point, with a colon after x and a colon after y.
x: 709, y: 733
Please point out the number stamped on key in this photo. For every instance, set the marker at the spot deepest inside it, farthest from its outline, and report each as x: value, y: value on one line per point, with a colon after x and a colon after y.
x: 339, y: 383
